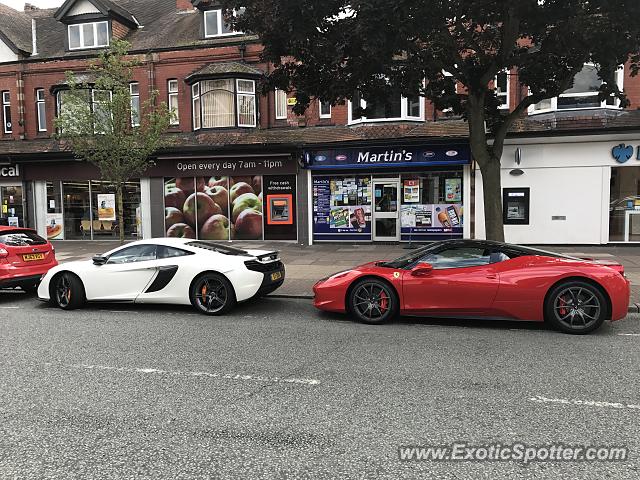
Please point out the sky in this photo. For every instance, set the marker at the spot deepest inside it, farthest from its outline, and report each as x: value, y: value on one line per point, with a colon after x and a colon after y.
x: 19, y: 4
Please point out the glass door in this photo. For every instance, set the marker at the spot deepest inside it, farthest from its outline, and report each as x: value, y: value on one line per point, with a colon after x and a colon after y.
x: 386, y: 211
x: 12, y: 205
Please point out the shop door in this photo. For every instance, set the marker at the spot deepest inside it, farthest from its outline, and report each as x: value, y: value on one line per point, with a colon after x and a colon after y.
x: 12, y: 207
x: 386, y: 211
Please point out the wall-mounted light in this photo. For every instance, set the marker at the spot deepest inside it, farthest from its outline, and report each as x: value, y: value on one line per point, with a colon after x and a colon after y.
x: 516, y: 172
x: 518, y: 155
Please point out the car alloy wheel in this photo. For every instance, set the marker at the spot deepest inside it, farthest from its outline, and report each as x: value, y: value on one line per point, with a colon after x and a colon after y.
x: 576, y: 307
x: 212, y: 294
x: 67, y: 292
x: 63, y: 292
x: 373, y: 301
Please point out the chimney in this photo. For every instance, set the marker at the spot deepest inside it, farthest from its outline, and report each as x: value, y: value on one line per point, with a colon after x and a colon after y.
x: 30, y: 8
x: 184, y: 5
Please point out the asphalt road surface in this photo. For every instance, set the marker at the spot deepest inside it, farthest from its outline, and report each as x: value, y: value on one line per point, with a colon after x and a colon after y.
x: 277, y: 390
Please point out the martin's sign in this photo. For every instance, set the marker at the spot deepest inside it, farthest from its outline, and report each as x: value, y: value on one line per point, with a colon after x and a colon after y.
x: 9, y: 171
x: 380, y: 157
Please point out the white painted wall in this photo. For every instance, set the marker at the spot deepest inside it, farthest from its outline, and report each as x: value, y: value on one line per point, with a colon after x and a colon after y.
x: 6, y: 54
x: 569, y: 179
x: 81, y: 8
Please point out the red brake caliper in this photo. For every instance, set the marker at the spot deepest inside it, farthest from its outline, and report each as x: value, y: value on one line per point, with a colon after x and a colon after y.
x: 384, y: 301
x: 563, y: 303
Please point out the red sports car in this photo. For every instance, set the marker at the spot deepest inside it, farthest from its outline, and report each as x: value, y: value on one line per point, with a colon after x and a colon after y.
x: 481, y: 279
x: 24, y: 258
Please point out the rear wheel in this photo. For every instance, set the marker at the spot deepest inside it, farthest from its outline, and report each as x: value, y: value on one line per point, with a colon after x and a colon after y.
x: 373, y: 301
x: 212, y: 294
x: 67, y: 292
x: 576, y: 307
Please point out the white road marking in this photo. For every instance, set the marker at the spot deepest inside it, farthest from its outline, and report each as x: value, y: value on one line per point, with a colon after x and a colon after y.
x: 10, y: 308
x: 585, y: 403
x: 629, y: 334
x: 224, y: 376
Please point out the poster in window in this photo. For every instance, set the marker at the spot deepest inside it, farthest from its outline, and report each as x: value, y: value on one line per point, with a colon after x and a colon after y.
x: 106, y: 206
x: 453, y: 190
x: 411, y: 191
x: 55, y: 226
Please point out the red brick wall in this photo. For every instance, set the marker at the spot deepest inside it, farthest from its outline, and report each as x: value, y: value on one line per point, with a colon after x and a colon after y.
x: 118, y: 30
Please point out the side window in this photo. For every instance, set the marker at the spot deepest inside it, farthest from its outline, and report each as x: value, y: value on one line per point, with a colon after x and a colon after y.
x: 170, y: 252
x: 137, y: 253
x: 458, y: 258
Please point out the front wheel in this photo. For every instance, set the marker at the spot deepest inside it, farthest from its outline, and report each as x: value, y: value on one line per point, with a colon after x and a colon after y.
x: 373, y: 301
x: 67, y: 292
x: 576, y: 307
x: 212, y: 294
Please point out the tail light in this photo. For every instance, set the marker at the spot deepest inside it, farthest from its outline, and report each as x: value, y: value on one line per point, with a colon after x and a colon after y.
x: 3, y: 253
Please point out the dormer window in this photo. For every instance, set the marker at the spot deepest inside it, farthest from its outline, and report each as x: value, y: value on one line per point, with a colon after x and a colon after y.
x: 88, y: 35
x: 215, y: 26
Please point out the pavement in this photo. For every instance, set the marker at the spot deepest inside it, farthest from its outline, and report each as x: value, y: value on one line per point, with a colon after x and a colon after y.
x: 307, y: 264
x: 277, y: 390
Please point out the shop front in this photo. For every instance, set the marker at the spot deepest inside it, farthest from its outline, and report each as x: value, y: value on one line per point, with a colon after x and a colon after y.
x: 13, y: 211
x: 249, y: 197
x: 393, y: 194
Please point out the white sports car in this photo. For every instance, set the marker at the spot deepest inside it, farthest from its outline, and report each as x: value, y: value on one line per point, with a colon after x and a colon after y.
x: 207, y: 275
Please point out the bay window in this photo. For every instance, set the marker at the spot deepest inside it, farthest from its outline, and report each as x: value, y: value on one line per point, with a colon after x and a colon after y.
x: 88, y: 35
x: 582, y: 95
x: 395, y: 107
x: 224, y: 103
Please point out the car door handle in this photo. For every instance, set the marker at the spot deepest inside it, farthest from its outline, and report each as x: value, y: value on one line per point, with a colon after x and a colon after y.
x: 492, y: 276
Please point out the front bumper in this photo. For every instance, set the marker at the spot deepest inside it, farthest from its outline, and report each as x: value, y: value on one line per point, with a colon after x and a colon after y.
x: 330, y: 298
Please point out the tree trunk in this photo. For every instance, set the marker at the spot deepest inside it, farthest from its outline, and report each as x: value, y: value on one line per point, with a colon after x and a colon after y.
x: 489, y: 166
x: 119, y: 201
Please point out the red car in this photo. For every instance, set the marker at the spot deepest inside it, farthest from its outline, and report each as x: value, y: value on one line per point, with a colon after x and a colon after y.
x: 24, y: 258
x: 481, y: 279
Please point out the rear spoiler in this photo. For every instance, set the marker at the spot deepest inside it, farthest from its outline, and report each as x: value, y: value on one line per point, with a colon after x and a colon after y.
x: 618, y: 267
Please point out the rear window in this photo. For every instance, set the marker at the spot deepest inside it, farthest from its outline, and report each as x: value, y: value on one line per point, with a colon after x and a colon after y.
x: 21, y: 238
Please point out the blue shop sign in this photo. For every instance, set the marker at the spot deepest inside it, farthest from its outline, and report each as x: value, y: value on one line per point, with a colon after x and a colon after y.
x: 388, y: 157
x: 622, y: 153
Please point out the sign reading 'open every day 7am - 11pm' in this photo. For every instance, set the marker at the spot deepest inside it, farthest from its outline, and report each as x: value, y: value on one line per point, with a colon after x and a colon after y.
x: 387, y: 157
x: 197, y: 167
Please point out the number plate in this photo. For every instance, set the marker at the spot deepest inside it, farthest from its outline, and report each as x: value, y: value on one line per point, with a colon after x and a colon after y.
x: 33, y: 257
x: 276, y: 276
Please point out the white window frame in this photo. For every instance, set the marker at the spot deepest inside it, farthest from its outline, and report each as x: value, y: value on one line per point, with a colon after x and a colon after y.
x: 220, y: 23
x: 280, y: 100
x: 506, y: 105
x: 95, y: 35
x: 323, y: 115
x: 603, y: 104
x: 197, y: 113
x: 95, y: 102
x: 41, y: 110
x: 6, y: 107
x: 404, y: 107
x: 135, y: 122
x: 252, y: 95
x: 172, y: 95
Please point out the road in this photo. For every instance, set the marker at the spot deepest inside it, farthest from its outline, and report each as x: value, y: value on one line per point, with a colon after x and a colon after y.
x: 277, y: 390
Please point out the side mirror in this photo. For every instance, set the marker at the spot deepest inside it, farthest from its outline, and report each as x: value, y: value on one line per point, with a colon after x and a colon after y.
x: 99, y: 260
x: 422, y: 269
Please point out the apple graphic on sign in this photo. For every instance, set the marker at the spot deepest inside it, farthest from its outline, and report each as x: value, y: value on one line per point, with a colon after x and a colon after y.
x: 218, y: 181
x: 257, y: 184
x: 204, y: 205
x: 235, y: 180
x: 240, y: 189
x: 215, y: 228
x: 220, y: 195
x: 181, y: 230
x: 249, y: 225
x: 172, y: 216
x: 174, y: 197
x: 247, y: 201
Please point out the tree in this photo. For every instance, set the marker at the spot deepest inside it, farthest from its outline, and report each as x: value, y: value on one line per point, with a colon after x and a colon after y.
x: 99, y: 122
x: 330, y: 49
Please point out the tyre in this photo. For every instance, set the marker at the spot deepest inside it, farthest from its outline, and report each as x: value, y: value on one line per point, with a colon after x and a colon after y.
x: 576, y: 307
x: 67, y: 292
x: 373, y: 301
x: 212, y: 294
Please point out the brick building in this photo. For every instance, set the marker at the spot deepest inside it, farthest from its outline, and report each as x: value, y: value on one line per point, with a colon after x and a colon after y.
x: 404, y: 173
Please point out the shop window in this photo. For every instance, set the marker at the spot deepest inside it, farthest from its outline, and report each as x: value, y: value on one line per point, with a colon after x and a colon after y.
x: 41, y: 111
x: 515, y: 206
x: 231, y: 208
x: 624, y: 205
x: 88, y: 35
x: 172, y: 89
x: 395, y: 107
x: 224, y: 103
x: 55, y: 217
x: 6, y: 112
x: 582, y: 95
